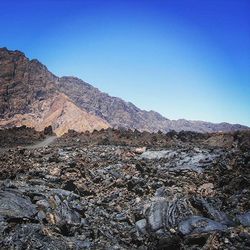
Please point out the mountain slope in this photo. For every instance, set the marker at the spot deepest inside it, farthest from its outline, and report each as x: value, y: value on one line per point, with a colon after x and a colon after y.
x: 28, y: 96
x: 31, y: 95
x: 22, y: 82
x: 119, y: 113
x: 59, y: 112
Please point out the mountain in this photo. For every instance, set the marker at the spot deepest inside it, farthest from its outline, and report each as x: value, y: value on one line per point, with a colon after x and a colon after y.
x: 119, y: 113
x: 60, y: 112
x: 31, y: 95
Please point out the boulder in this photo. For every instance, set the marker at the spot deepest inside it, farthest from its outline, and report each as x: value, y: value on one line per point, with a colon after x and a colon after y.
x: 15, y: 205
x: 198, y: 224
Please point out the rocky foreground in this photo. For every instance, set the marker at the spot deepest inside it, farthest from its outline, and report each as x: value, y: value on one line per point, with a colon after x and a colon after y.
x: 117, y: 189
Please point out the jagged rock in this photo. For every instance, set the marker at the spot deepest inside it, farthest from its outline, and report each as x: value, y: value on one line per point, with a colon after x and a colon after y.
x: 34, y: 236
x: 141, y: 226
x: 244, y: 219
x: 198, y: 224
x: 151, y: 155
x: 207, y: 209
x: 177, y: 160
x: 48, y: 130
x: 97, y: 196
x: 166, y: 214
x: 14, y: 205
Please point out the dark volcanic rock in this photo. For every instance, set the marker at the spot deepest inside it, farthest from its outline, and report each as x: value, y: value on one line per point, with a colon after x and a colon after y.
x: 13, y: 205
x: 165, y: 214
x: 19, y: 136
x: 244, y: 219
x: 198, y: 224
x: 136, y: 190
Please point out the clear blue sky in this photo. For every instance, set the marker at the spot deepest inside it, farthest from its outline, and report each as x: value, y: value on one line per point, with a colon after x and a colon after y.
x: 183, y: 58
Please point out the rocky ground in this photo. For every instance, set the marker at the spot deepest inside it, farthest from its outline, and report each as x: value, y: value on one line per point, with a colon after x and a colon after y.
x: 117, y: 189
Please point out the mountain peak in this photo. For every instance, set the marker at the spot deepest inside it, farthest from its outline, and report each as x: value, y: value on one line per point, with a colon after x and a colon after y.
x: 14, y: 52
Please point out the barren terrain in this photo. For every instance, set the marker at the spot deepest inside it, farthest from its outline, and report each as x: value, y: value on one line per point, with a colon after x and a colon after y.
x: 118, y: 189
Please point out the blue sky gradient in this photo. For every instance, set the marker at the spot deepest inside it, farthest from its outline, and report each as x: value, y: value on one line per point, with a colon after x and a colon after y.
x: 183, y: 58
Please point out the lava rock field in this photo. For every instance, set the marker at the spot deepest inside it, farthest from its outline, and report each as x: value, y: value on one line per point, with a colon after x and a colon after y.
x: 117, y: 189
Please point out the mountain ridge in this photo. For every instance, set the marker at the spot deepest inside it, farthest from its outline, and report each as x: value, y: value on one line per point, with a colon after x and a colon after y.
x: 25, y: 82
x: 28, y: 96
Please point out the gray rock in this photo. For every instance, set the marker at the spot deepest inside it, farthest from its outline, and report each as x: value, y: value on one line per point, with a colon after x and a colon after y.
x: 244, y: 219
x: 192, y: 161
x: 14, y: 205
x: 43, y: 204
x: 3, y: 227
x: 156, y: 214
x: 68, y: 215
x: 120, y: 217
x: 141, y: 226
x: 41, y: 215
x: 165, y: 214
x: 32, y: 236
x: 152, y: 155
x: 160, y: 192
x: 214, y: 213
x: 198, y: 224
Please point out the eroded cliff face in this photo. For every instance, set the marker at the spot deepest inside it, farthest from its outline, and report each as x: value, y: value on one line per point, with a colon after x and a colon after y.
x: 22, y: 82
x: 31, y: 95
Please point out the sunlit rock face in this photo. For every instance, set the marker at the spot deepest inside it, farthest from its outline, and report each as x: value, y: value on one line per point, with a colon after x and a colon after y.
x: 29, y: 96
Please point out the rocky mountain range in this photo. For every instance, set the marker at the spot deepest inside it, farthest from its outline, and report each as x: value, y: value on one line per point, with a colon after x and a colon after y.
x: 31, y: 95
